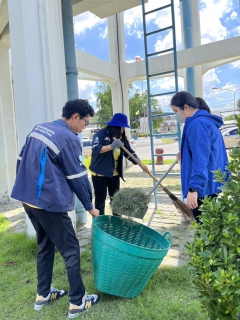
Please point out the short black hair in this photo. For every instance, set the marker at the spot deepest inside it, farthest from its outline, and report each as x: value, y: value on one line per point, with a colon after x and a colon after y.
x: 80, y: 106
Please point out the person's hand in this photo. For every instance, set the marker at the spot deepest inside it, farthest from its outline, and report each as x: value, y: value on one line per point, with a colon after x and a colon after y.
x: 116, y: 144
x: 144, y: 168
x: 192, y: 200
x: 94, y: 212
x: 179, y: 155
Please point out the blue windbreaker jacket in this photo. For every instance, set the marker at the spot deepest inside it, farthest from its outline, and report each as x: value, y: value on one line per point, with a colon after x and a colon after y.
x: 50, y: 169
x: 103, y: 163
x: 202, y: 151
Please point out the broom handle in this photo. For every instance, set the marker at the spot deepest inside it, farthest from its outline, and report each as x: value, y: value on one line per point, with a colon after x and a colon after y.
x: 141, y: 165
x: 136, y: 160
x: 185, y: 209
x: 165, y: 174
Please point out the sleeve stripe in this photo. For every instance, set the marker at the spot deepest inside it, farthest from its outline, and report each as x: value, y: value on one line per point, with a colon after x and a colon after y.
x: 19, y: 158
x: 78, y: 175
x: 45, y: 140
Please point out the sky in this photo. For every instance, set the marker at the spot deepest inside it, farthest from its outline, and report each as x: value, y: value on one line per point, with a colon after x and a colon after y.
x: 219, y: 19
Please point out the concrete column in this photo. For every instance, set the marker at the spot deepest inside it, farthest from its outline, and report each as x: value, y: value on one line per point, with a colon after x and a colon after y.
x: 117, y: 57
x: 194, y: 73
x: 37, y: 62
x: 38, y: 65
x: 8, y: 141
x: 120, y: 93
x: 197, y: 42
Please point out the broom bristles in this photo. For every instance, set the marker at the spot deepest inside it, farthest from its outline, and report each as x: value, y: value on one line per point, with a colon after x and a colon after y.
x: 181, y: 206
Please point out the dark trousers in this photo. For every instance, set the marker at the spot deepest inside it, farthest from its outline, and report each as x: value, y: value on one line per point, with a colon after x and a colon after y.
x: 55, y: 230
x: 101, y: 186
x: 196, y: 212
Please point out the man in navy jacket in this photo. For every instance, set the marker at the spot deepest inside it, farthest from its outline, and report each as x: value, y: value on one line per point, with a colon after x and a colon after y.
x: 50, y: 170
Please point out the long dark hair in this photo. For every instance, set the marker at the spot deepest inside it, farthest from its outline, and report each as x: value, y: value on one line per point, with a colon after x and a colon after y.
x: 115, y: 132
x: 183, y: 97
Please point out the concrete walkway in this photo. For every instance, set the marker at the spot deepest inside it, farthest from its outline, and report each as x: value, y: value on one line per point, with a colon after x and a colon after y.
x: 165, y: 217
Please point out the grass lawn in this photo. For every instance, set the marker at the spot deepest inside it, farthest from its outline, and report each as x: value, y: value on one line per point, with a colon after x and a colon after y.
x: 167, y: 141
x: 87, y: 162
x: 168, y: 295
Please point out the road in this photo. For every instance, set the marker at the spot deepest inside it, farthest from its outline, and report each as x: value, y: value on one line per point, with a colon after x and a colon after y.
x: 143, y: 149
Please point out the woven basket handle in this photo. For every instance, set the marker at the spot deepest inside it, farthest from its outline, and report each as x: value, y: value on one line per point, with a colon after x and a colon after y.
x: 169, y: 237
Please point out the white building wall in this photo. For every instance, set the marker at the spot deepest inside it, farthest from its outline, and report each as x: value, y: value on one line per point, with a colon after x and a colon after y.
x: 38, y: 62
x: 8, y: 138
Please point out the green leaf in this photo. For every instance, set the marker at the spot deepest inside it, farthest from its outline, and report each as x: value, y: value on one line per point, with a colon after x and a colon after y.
x: 223, y: 254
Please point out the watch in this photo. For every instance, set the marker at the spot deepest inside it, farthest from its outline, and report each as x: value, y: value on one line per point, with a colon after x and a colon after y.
x: 191, y: 189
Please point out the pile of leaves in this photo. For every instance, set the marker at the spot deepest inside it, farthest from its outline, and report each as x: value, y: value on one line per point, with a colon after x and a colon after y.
x: 215, y: 252
x: 130, y: 202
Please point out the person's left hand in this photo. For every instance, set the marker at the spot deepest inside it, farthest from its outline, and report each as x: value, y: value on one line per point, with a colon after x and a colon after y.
x: 145, y: 168
x: 192, y: 200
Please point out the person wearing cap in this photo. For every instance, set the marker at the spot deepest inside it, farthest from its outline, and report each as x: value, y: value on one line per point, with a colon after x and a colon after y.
x: 107, y: 159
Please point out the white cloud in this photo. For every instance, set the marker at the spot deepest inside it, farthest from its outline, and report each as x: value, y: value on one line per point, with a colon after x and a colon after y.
x: 234, y: 15
x: 86, y: 91
x: 211, y: 13
x: 235, y: 64
x: 210, y: 80
x: 161, y: 19
x: 85, y: 21
x: 103, y: 33
x: 236, y: 30
x: 165, y: 83
x: 168, y: 84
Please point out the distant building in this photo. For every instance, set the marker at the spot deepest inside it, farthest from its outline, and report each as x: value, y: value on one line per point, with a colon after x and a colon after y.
x: 169, y: 125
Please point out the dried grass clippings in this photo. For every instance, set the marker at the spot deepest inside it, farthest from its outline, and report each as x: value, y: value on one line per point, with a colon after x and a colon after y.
x: 130, y: 202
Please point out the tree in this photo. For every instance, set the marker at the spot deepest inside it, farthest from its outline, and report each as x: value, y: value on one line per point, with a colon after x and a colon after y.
x: 104, y: 104
x: 137, y: 103
x: 238, y: 105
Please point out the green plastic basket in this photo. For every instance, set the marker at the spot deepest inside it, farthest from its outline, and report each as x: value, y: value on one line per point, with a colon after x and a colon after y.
x: 124, y: 255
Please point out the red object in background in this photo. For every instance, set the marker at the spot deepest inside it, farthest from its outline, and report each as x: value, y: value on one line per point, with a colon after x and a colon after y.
x: 137, y: 58
x: 159, y: 151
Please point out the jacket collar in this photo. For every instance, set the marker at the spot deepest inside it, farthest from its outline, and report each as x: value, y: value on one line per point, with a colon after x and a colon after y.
x: 64, y: 124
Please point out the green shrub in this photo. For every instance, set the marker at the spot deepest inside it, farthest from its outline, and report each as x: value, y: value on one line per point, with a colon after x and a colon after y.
x: 215, y: 252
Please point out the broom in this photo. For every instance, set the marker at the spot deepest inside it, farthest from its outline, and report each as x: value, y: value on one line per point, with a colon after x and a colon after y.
x: 181, y: 206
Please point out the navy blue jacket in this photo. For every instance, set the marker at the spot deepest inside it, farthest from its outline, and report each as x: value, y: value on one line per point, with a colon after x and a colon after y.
x: 202, y: 151
x: 103, y: 163
x: 50, y: 169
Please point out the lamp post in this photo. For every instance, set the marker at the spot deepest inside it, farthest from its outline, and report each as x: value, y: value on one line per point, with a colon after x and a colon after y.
x: 234, y: 95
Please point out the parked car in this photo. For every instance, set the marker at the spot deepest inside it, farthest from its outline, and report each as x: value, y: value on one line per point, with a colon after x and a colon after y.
x: 230, y: 136
x: 86, y: 142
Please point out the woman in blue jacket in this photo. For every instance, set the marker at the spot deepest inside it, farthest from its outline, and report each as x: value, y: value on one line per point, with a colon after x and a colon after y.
x: 202, y: 149
x: 107, y: 159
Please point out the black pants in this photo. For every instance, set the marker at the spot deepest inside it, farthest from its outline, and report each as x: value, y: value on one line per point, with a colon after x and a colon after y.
x: 101, y: 186
x: 196, y: 212
x: 55, y: 230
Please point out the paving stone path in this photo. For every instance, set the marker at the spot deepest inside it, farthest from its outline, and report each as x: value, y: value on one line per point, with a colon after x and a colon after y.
x: 164, y: 218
